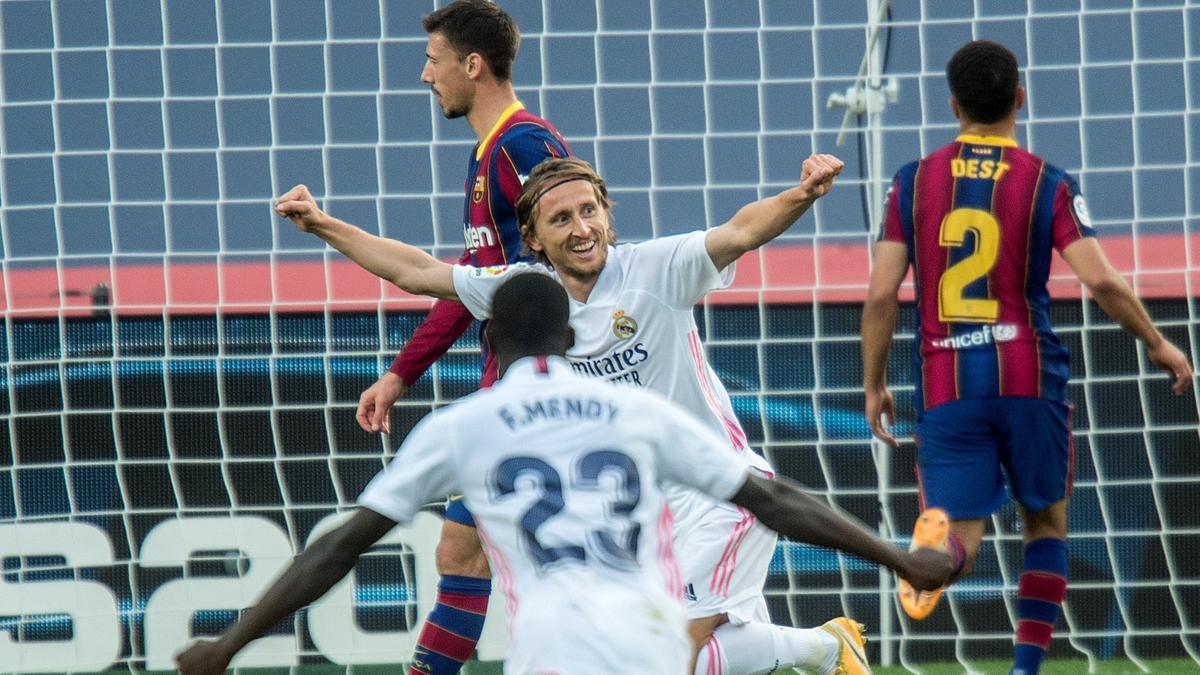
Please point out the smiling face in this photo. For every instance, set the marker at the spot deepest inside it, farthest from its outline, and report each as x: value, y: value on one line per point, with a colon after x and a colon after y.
x: 447, y: 74
x: 571, y: 228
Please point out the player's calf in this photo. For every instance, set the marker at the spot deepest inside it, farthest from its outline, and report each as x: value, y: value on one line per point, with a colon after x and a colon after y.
x: 452, y: 629
x: 835, y: 648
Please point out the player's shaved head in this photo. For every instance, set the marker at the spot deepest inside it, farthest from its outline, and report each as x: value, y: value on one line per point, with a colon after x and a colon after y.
x: 983, y: 79
x: 529, y: 318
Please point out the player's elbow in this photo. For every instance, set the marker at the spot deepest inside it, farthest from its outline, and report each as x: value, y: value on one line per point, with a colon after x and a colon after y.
x: 419, y: 276
x: 408, y: 281
x: 1105, y: 283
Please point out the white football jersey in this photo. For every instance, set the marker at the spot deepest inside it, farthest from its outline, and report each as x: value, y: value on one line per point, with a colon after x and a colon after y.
x: 637, y: 326
x: 562, y: 474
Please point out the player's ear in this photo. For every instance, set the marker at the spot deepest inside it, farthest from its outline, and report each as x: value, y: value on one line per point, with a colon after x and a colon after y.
x: 954, y: 108
x: 530, y: 237
x: 1019, y: 99
x: 474, y: 64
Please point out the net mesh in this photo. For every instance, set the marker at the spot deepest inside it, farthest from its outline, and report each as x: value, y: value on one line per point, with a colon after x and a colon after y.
x: 172, y: 350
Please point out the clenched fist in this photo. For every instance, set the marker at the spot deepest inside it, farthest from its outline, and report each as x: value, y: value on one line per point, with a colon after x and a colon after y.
x: 299, y: 206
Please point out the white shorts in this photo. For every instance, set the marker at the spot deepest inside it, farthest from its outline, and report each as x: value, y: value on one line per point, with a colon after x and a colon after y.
x: 724, y: 555
x: 604, y: 630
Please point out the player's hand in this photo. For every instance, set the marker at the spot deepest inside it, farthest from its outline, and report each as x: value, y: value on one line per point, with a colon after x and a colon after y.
x: 203, y: 658
x: 375, y: 405
x: 817, y: 174
x: 1169, y: 357
x: 929, y: 569
x: 299, y: 206
x: 880, y: 404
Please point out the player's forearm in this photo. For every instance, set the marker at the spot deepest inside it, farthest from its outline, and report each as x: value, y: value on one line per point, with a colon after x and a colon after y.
x: 765, y: 219
x: 310, y: 576
x: 790, y: 511
x: 446, y: 322
x: 878, y: 326
x: 408, y: 267
x: 1118, y: 300
x: 759, y: 222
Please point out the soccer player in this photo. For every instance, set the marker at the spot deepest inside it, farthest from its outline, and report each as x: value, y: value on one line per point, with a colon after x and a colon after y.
x: 978, y: 220
x: 564, y: 476
x: 631, y: 311
x: 469, y: 58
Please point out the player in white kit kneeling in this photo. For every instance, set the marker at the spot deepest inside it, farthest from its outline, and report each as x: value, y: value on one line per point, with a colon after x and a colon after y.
x: 565, y: 477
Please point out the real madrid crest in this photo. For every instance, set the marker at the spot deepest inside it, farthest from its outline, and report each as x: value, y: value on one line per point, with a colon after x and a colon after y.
x: 624, y: 327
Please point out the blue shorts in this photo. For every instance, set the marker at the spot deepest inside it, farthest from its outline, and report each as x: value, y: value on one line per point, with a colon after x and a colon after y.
x: 967, y: 448
x: 457, y: 511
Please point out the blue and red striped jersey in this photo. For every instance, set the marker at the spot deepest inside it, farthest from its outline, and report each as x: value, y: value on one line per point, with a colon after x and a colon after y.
x: 980, y: 218
x: 518, y: 142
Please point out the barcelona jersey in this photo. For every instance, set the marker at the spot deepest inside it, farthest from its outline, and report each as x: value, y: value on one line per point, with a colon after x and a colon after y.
x: 981, y: 218
x: 498, y: 165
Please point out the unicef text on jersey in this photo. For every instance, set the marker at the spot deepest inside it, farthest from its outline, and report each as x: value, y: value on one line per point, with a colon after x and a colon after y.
x: 984, y: 335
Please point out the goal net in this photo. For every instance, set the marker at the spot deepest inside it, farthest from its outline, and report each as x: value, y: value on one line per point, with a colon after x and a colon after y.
x: 180, y: 367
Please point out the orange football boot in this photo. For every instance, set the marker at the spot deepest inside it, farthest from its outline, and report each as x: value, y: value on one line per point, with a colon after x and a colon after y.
x: 931, y: 531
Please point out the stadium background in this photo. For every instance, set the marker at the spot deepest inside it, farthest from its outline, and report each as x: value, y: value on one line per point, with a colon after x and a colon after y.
x: 171, y: 349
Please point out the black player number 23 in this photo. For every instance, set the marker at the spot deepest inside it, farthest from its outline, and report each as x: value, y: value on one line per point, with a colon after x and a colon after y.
x: 614, y: 545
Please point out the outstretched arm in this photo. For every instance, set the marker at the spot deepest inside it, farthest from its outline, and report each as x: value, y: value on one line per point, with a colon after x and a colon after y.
x: 878, y: 326
x: 1118, y: 300
x: 408, y: 267
x: 309, y: 577
x: 711, y: 466
x: 787, y: 509
x: 759, y: 222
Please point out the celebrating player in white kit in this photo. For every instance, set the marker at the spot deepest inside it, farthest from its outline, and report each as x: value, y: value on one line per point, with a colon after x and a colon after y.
x: 631, y: 310
x: 563, y: 476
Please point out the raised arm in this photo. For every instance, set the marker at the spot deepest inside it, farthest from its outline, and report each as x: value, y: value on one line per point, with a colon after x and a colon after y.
x: 1118, y: 300
x: 408, y: 267
x: 878, y: 325
x: 759, y: 222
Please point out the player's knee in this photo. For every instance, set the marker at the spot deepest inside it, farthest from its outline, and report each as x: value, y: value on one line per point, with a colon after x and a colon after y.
x: 459, y: 553
x: 702, y: 629
x: 1048, y: 523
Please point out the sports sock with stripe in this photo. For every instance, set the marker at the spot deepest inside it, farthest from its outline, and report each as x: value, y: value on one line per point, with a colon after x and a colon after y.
x: 759, y: 648
x: 452, y: 629
x: 1040, y: 595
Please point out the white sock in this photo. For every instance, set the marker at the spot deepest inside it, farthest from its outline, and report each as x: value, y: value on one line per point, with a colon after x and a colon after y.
x: 761, y: 648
